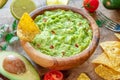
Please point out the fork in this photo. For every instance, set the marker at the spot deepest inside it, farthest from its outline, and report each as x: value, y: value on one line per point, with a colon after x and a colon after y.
x: 108, y: 23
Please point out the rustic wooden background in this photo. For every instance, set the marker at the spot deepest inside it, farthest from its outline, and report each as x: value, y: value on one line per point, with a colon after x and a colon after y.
x: 87, y: 67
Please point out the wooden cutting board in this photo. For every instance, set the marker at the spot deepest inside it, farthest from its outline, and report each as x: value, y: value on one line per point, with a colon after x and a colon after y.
x: 87, y: 67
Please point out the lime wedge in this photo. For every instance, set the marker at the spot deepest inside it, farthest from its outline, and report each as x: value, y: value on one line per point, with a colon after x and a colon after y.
x: 2, y: 3
x: 57, y: 2
x: 18, y: 7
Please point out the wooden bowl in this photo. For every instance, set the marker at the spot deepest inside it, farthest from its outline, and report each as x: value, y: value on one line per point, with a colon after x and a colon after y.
x: 63, y: 63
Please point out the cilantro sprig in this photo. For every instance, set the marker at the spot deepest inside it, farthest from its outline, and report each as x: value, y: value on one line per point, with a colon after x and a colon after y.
x: 8, y: 35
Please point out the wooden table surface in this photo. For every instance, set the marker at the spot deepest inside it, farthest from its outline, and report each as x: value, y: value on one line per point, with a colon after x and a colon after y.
x: 87, y: 67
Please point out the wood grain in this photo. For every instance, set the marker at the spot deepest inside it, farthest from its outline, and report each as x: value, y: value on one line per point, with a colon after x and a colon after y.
x: 63, y: 63
x: 87, y: 67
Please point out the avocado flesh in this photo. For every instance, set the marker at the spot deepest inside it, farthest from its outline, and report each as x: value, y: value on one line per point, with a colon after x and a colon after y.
x: 30, y: 74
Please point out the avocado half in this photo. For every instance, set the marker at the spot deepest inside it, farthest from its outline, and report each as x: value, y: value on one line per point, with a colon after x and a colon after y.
x: 29, y: 74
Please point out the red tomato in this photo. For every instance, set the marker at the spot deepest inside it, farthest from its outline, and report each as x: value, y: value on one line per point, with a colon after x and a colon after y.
x: 91, y: 5
x: 53, y: 75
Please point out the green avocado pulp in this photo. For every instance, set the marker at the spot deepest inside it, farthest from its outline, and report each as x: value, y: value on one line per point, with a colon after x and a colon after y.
x: 29, y: 74
x: 63, y: 33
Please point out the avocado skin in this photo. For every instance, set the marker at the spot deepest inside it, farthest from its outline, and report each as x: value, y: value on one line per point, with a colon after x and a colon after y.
x: 114, y: 4
x: 30, y: 74
x: 3, y: 2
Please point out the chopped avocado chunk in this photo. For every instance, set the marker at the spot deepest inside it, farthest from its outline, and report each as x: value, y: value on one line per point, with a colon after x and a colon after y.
x: 63, y: 33
x: 16, y: 67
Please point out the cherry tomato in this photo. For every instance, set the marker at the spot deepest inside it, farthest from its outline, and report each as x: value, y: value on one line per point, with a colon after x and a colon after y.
x: 53, y: 75
x: 91, y: 5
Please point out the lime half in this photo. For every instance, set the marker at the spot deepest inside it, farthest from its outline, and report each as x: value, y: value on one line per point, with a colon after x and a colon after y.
x: 18, y: 7
x: 57, y: 2
x: 2, y: 3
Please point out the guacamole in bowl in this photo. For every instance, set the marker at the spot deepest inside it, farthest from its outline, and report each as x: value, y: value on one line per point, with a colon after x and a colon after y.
x: 68, y: 37
x: 63, y: 33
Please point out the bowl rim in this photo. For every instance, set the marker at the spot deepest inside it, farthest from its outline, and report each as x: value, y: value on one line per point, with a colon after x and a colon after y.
x: 87, y: 52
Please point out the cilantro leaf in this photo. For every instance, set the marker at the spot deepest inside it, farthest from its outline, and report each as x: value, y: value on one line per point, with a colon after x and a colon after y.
x: 1, y: 35
x: 4, y: 46
x: 14, y: 25
x: 13, y: 39
x: 3, y: 27
x: 8, y: 37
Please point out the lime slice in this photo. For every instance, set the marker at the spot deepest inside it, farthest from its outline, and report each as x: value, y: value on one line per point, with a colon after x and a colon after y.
x: 2, y: 3
x: 18, y: 7
x: 57, y: 2
x: 51, y: 2
x: 64, y: 2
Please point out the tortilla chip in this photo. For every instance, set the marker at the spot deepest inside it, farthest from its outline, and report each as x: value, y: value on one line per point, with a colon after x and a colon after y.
x: 27, y: 29
x: 83, y: 76
x: 107, y: 73
x: 102, y: 59
x: 117, y: 35
x: 110, y: 44
x: 112, y: 50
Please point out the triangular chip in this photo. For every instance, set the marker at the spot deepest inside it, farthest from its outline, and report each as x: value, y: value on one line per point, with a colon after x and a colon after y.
x: 107, y: 73
x: 117, y: 35
x: 83, y: 76
x: 110, y: 44
x: 27, y: 29
x: 102, y: 59
x: 112, y: 50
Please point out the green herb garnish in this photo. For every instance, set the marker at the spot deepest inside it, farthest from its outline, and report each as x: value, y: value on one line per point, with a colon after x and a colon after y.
x: 7, y: 35
x: 14, y: 25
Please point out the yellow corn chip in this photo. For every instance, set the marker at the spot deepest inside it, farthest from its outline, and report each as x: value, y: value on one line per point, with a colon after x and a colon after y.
x: 117, y: 35
x: 109, y: 60
x: 110, y: 44
x: 102, y: 59
x: 112, y: 50
x: 83, y: 76
x: 27, y: 29
x: 107, y: 73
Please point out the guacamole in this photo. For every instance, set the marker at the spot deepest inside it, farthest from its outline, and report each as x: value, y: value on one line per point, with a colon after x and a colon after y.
x: 63, y: 33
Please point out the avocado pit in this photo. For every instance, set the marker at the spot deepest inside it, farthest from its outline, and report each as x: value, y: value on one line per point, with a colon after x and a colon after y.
x: 13, y: 64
